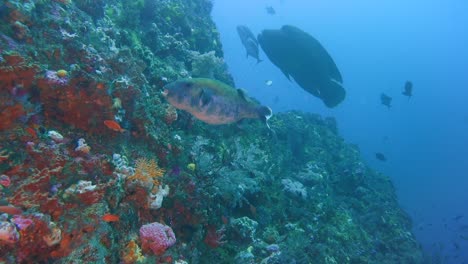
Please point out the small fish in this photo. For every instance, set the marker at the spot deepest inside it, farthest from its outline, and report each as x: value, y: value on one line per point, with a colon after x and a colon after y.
x: 458, y: 217
x: 214, y: 102
x: 111, y: 124
x: 31, y: 132
x: 276, y: 99
x: 408, y: 89
x: 251, y: 48
x: 270, y: 10
x: 380, y: 156
x: 100, y: 86
x: 386, y: 100
x: 249, y: 41
x: 10, y: 210
x: 268, y: 82
x: 110, y: 218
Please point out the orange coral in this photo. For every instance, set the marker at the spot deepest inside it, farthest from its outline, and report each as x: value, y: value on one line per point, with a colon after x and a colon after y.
x: 132, y: 253
x: 147, y: 172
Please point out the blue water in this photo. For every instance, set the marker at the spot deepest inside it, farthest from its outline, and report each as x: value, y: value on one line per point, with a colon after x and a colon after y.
x: 378, y: 45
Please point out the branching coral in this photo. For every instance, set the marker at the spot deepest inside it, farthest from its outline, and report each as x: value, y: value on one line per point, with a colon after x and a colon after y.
x: 148, y: 173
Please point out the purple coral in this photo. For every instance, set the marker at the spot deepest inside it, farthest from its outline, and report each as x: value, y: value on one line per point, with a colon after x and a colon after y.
x: 156, y: 237
x: 21, y: 222
x: 53, y: 78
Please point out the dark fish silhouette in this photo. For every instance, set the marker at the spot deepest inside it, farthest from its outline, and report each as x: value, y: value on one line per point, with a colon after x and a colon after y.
x: 458, y: 217
x: 380, y: 156
x: 408, y: 89
x: 297, y: 54
x: 249, y: 41
x: 386, y: 100
x: 270, y: 10
x: 214, y: 102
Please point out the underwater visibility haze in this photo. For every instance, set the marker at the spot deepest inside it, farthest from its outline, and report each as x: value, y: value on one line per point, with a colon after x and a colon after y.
x: 378, y: 47
x: 199, y: 131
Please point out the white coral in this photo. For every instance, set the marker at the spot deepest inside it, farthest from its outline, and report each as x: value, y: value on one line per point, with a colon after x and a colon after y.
x: 294, y: 188
x: 157, y: 199
x: 55, y: 136
x: 55, y: 235
x: 8, y: 233
x: 81, y: 187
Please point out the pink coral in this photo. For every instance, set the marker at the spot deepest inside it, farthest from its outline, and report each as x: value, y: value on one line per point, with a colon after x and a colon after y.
x: 55, y: 79
x: 21, y: 222
x: 5, y: 180
x: 8, y: 233
x: 157, y: 237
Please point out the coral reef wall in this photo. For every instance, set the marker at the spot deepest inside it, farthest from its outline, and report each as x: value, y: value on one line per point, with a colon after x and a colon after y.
x: 95, y: 167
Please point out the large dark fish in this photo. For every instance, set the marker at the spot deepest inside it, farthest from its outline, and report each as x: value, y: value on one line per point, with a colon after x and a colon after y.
x: 302, y: 57
x: 386, y: 100
x: 408, y: 89
x: 214, y: 102
x: 380, y: 156
x: 249, y: 41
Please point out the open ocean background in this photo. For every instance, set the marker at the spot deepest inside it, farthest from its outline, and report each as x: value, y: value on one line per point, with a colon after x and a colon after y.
x: 378, y: 46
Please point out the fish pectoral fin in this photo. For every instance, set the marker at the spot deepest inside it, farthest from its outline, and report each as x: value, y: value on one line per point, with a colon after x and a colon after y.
x: 205, y: 97
x: 241, y: 93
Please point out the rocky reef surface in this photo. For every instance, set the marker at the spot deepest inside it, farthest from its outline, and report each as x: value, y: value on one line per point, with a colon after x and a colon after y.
x: 95, y: 167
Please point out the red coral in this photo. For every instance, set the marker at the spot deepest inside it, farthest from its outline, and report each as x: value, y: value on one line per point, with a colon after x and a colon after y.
x: 156, y: 237
x: 65, y: 247
x: 14, y: 71
x: 15, y: 75
x: 76, y: 103
x: 31, y: 247
x: 54, y: 208
x: 214, y: 238
x: 9, y: 114
x: 91, y: 197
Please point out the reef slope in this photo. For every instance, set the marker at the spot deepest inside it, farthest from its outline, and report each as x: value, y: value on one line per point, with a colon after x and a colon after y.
x: 90, y: 152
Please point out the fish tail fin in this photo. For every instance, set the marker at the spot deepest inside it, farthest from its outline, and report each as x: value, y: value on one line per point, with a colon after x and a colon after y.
x: 334, y: 94
x: 265, y: 113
